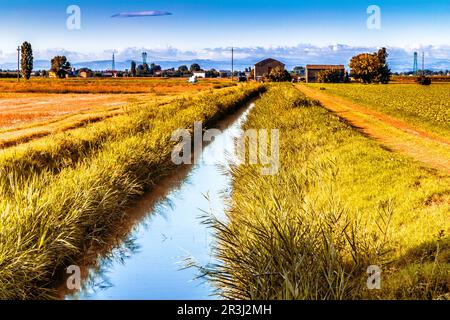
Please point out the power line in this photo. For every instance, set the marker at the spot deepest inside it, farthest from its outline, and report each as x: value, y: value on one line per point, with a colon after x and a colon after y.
x: 423, y: 63
x: 18, y: 63
x: 232, y: 63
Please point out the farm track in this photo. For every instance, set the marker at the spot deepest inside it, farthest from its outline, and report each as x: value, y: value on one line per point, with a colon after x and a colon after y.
x: 395, y: 134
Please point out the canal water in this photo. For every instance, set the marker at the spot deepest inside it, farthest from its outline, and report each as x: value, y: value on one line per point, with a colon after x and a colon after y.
x: 168, y: 228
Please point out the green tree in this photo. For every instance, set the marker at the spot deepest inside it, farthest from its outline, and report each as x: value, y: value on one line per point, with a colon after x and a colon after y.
x: 154, y: 68
x: 133, y: 68
x: 213, y: 73
x: 331, y: 76
x: 384, y: 73
x: 371, y: 68
x: 423, y: 80
x: 278, y: 74
x: 60, y: 66
x: 26, y: 61
x: 140, y: 70
x: 194, y: 67
x: 145, y: 68
x: 183, y: 69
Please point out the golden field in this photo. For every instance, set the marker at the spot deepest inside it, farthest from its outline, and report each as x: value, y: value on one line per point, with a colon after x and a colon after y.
x: 39, y: 107
x: 161, y: 86
x: 61, y: 194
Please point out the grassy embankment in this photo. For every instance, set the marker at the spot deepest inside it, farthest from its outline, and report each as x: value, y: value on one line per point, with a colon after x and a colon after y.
x: 339, y: 204
x: 426, y: 107
x: 61, y: 195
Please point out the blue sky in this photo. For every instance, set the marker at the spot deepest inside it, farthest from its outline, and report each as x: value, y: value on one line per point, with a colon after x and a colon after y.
x: 199, y: 24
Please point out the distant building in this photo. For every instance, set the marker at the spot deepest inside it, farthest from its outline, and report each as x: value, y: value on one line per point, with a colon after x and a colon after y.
x: 109, y: 74
x: 199, y: 74
x: 224, y: 73
x: 312, y: 70
x: 169, y: 73
x: 265, y: 66
x: 85, y: 73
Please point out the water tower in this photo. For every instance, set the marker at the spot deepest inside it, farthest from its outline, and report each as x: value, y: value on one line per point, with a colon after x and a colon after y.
x: 144, y: 58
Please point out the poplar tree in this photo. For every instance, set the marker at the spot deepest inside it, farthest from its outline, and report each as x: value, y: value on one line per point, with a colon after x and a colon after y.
x: 26, y: 61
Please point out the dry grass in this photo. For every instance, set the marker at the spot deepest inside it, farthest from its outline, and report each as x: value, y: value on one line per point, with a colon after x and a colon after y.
x: 339, y: 204
x: 60, y: 198
x: 26, y: 116
x: 158, y: 86
x: 21, y: 109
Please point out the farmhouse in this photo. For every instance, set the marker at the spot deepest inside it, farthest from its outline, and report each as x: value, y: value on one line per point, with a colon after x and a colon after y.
x: 264, y: 67
x: 312, y: 70
x: 109, y: 74
x: 199, y: 74
x: 85, y: 73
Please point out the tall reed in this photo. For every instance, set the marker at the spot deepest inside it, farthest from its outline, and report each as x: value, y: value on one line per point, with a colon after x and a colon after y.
x: 48, y: 219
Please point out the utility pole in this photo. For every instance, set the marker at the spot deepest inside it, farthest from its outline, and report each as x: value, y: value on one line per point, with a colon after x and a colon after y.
x: 18, y: 64
x: 113, y: 62
x: 423, y: 63
x: 232, y: 63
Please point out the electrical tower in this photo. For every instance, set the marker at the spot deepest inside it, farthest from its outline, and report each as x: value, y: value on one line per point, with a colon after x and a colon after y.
x: 144, y: 58
x: 415, y: 67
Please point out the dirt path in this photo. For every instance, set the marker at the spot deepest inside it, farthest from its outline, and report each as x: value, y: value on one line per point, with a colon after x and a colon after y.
x: 393, y: 133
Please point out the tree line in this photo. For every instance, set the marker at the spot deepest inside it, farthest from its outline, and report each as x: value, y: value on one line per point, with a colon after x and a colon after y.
x: 364, y: 67
x: 60, y: 66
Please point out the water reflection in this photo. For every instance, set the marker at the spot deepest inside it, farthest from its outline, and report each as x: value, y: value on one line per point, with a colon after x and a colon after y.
x: 164, y: 229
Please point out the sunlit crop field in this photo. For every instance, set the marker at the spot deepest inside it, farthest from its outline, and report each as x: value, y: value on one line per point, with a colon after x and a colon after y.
x: 159, y: 86
x: 427, y: 107
x: 61, y: 193
x: 39, y: 107
x: 24, y: 108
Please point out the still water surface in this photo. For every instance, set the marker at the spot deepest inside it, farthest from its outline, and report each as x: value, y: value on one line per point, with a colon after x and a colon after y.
x: 148, y: 264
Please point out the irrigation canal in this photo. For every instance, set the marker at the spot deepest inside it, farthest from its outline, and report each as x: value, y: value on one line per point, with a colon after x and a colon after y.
x: 146, y: 260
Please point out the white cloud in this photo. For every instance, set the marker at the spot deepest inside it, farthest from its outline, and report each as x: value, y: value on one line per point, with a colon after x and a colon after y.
x: 136, y: 14
x: 400, y: 58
